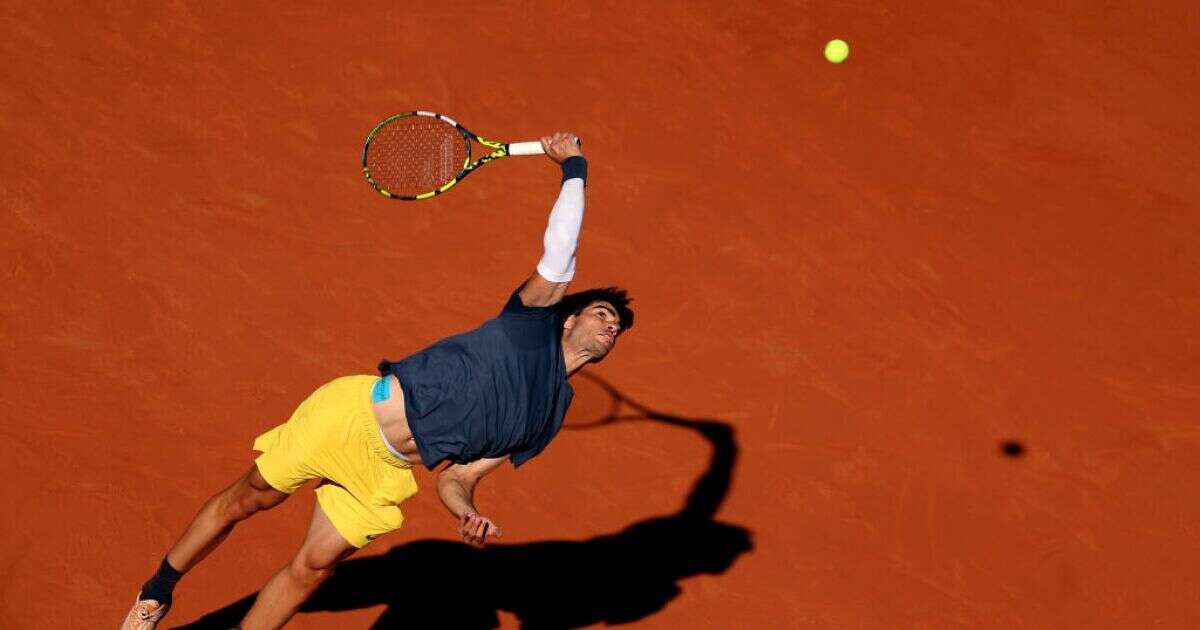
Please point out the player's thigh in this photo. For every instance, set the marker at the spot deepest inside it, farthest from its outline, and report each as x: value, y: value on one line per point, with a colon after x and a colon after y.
x: 251, y: 493
x: 324, y: 547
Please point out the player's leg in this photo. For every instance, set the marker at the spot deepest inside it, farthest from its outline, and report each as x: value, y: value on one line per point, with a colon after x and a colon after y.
x: 358, y: 501
x: 246, y: 496
x: 279, y: 600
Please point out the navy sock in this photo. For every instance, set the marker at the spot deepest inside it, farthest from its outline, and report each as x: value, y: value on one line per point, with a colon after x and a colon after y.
x: 160, y: 587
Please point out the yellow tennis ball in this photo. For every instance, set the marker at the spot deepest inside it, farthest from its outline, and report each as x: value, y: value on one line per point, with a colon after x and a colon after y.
x: 836, y: 51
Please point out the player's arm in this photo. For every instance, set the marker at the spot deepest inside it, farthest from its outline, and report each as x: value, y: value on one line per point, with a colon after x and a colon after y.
x: 456, y: 487
x: 554, y: 271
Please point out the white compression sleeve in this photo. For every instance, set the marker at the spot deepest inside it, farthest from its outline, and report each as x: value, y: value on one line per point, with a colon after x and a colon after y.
x: 562, y: 233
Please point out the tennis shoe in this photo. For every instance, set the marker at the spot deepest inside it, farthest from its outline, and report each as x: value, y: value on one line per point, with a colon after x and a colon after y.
x: 145, y: 615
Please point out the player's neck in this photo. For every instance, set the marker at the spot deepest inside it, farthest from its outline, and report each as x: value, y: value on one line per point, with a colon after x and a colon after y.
x: 575, y: 358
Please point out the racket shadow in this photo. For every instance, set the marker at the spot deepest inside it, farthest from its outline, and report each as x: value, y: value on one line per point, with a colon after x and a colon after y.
x: 615, y: 578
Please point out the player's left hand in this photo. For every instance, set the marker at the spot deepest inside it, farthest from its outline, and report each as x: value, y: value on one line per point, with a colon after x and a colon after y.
x: 476, y: 530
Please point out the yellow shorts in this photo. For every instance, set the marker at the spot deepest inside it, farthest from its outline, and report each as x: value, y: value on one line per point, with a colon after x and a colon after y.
x: 333, y: 436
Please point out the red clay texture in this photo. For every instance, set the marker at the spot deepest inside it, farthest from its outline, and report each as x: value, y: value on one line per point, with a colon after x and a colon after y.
x: 916, y: 341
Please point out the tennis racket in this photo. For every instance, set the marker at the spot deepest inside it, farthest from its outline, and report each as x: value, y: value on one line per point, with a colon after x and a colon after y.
x: 416, y: 155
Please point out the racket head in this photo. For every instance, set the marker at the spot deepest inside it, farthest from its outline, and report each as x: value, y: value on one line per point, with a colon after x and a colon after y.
x: 416, y: 155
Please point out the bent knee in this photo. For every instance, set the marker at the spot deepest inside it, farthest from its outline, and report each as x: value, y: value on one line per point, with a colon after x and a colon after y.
x: 244, y: 503
x: 308, y: 575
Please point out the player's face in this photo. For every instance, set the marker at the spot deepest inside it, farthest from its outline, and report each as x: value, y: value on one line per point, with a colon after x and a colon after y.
x: 595, y: 328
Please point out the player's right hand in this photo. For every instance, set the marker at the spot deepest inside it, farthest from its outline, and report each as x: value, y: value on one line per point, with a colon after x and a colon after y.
x: 561, y: 146
x: 476, y: 530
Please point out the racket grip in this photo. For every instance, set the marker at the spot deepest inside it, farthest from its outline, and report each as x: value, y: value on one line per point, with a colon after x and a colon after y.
x: 526, y: 148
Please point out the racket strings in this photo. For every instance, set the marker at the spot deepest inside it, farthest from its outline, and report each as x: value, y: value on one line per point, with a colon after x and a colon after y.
x: 415, y: 155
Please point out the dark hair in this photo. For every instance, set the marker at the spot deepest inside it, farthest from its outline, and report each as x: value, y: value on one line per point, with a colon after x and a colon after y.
x: 574, y: 303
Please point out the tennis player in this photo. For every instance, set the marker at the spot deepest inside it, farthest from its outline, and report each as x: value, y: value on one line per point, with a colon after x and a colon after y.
x: 470, y: 401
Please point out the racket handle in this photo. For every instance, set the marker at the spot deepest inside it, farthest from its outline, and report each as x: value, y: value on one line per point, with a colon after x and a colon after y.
x: 526, y: 148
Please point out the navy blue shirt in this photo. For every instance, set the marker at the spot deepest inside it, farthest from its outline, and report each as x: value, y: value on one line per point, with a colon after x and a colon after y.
x: 498, y: 390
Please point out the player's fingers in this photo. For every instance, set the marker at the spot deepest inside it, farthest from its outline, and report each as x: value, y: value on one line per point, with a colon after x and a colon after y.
x: 470, y: 525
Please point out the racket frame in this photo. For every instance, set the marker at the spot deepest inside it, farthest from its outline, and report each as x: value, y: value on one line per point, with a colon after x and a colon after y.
x: 499, y: 150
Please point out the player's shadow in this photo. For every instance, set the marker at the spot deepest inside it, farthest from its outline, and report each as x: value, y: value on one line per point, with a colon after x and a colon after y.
x: 615, y: 578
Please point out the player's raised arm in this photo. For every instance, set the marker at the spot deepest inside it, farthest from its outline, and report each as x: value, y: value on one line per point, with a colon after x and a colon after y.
x: 556, y: 268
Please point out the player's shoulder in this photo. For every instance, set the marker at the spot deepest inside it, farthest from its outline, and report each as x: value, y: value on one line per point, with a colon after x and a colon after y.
x: 540, y: 292
x: 526, y: 304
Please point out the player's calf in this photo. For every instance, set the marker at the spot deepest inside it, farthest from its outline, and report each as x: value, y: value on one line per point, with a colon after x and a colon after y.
x: 245, y: 497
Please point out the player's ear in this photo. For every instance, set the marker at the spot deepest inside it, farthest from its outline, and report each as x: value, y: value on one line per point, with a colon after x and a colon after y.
x: 568, y: 323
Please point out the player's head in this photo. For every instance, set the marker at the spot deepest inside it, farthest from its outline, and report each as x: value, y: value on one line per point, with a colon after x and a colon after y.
x: 593, y: 319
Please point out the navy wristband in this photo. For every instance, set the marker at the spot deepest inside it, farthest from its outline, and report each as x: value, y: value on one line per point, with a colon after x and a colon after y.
x: 575, y: 166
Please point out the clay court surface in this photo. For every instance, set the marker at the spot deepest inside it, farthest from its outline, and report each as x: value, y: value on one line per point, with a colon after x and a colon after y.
x: 853, y: 284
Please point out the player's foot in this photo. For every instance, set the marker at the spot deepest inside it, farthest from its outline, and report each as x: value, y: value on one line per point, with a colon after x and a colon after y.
x: 145, y: 615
